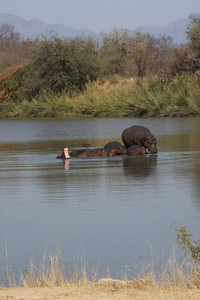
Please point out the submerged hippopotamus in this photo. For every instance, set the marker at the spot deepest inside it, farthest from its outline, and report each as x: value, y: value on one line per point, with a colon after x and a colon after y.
x: 135, y: 150
x: 116, y: 146
x: 139, y: 135
x: 84, y: 153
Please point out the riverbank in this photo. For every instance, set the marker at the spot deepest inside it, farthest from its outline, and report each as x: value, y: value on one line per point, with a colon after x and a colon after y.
x: 119, y: 97
x: 104, y: 290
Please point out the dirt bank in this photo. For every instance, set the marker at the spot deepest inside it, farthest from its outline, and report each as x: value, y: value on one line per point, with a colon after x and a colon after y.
x: 104, y: 290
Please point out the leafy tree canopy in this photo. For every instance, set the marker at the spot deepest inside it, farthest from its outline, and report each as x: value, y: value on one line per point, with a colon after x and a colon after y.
x: 59, y: 65
x: 193, y: 32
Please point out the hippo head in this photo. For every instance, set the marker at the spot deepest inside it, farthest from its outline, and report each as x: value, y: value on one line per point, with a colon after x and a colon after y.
x: 112, y: 152
x: 66, y: 153
x: 117, y: 151
x: 150, y: 144
x: 121, y: 150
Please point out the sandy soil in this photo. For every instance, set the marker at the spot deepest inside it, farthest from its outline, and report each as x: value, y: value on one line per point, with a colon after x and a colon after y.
x: 103, y: 290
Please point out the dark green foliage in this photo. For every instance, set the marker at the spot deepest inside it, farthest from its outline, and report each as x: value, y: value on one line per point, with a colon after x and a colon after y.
x: 181, y: 101
x: 59, y: 65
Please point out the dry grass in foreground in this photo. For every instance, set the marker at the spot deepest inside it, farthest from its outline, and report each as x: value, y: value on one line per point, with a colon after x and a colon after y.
x: 54, y: 281
x: 104, y: 289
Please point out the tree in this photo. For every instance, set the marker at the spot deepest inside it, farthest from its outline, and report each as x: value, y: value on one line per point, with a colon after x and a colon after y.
x: 185, y: 59
x: 59, y: 65
x: 14, y: 51
x: 193, y: 33
x: 114, y: 52
x: 135, y: 54
x: 144, y: 51
x: 164, y: 60
x: 8, y: 38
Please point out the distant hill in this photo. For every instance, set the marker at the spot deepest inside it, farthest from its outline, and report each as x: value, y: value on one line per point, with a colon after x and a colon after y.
x: 31, y: 29
x: 175, y: 29
x: 35, y: 27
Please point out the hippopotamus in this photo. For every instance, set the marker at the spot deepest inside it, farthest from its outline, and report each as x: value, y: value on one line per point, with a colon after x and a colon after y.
x: 84, y: 153
x: 116, y: 146
x: 139, y: 135
x: 135, y: 150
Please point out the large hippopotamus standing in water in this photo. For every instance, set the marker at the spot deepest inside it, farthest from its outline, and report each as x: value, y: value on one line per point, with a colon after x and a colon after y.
x: 139, y: 135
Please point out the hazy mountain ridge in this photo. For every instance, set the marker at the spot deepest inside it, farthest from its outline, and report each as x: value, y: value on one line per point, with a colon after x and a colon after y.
x: 35, y: 27
x: 175, y: 29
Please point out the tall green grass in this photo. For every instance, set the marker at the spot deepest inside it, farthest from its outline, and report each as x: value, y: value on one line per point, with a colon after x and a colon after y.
x: 119, y: 97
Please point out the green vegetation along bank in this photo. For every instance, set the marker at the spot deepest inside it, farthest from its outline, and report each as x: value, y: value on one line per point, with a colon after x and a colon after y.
x: 121, y: 97
x: 121, y: 74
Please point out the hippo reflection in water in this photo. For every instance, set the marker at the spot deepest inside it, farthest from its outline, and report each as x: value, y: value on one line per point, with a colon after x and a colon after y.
x: 140, y: 166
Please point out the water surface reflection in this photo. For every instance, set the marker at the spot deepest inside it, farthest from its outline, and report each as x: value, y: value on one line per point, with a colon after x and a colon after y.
x: 140, y: 166
x: 105, y: 209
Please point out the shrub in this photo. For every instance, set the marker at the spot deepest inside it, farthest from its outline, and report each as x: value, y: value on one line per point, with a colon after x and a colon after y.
x: 59, y: 65
x: 11, y: 83
x: 190, y: 246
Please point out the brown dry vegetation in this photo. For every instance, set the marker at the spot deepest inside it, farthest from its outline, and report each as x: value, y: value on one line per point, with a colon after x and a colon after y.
x: 104, y: 289
x: 50, y: 281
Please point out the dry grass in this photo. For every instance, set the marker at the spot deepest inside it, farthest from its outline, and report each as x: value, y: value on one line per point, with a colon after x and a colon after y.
x: 54, y: 280
x: 105, y: 290
x: 52, y: 284
x: 55, y: 272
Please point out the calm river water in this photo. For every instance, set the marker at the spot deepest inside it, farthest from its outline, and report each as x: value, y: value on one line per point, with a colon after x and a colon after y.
x: 107, y: 211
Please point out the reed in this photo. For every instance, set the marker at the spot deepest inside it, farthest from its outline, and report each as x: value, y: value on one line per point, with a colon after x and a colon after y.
x: 119, y: 97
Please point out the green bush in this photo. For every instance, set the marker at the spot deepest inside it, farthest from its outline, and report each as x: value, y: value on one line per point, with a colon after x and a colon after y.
x: 190, y: 246
x: 59, y: 65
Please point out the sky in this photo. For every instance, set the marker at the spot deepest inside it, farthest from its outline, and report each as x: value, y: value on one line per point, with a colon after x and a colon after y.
x: 102, y: 15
